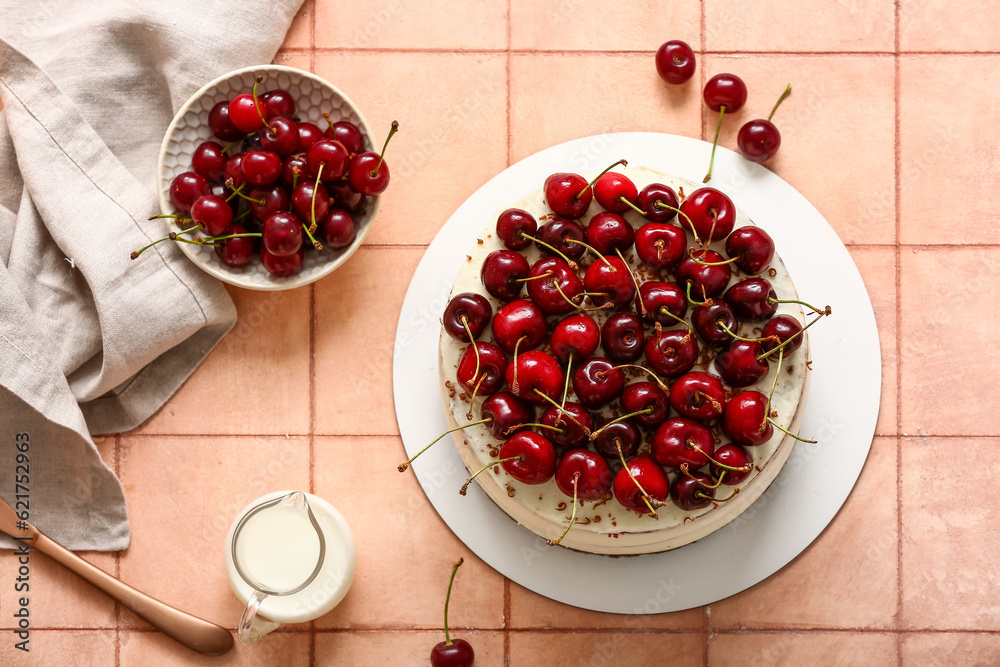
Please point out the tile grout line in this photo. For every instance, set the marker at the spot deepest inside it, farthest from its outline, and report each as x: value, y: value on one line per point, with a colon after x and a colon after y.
x: 897, y: 620
x: 508, y: 65
x: 312, y: 38
x: 642, y: 53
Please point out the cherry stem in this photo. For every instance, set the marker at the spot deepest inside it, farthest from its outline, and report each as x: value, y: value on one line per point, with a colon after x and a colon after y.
x: 792, y: 337
x: 393, y: 130
x: 524, y: 280
x: 591, y: 184
x: 177, y: 216
x: 572, y: 518
x: 239, y: 193
x: 447, y: 599
x: 513, y: 385
x: 586, y: 431
x: 510, y: 430
x: 172, y: 236
x: 465, y: 487
x: 555, y: 283
x: 635, y: 281
x: 235, y: 192
x: 699, y: 494
x: 788, y: 91
x: 573, y: 265
x: 774, y: 384
x: 295, y: 184
x: 818, y: 311
x: 731, y: 260
x: 787, y: 432
x: 685, y: 469
x: 666, y: 311
x: 475, y: 348
x: 593, y: 250
x: 241, y: 215
x: 706, y: 302
x: 744, y: 468
x: 711, y: 161
x: 316, y: 244
x: 329, y: 121
x: 645, y: 496
x: 312, y: 202
x: 722, y: 324
x: 238, y: 141
x: 716, y: 406
x: 641, y: 368
x: 632, y: 206
x: 403, y: 466
x: 256, y: 104
x: 644, y: 411
x: 468, y: 415
x: 660, y: 204
x: 569, y: 366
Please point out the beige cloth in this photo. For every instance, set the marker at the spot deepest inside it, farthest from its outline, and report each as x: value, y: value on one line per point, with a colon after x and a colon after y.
x: 91, y: 342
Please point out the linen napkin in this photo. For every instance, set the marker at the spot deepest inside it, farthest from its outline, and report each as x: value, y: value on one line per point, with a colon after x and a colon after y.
x: 90, y: 341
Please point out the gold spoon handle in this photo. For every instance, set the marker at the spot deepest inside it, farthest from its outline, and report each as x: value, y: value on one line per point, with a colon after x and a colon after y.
x: 193, y: 632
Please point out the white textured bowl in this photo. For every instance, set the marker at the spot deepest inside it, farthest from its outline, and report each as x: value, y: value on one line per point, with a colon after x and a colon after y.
x: 190, y: 127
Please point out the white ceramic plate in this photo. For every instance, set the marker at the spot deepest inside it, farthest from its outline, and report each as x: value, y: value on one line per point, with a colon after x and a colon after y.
x: 189, y: 128
x: 841, y: 412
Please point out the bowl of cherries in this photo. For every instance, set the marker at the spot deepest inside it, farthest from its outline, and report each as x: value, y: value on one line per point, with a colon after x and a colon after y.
x: 269, y: 179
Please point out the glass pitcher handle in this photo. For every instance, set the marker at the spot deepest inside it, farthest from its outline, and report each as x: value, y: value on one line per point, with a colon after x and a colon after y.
x: 246, y: 631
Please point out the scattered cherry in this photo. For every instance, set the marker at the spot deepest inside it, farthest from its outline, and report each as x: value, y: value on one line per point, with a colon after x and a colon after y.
x: 758, y: 140
x: 452, y: 653
x: 723, y: 92
x: 675, y: 61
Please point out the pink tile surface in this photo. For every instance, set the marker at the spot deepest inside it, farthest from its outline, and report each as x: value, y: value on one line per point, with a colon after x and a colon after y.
x: 877, y: 138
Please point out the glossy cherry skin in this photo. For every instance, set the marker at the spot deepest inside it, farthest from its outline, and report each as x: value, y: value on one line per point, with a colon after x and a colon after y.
x: 758, y: 140
x: 369, y: 173
x: 467, y: 308
x: 261, y: 167
x: 657, y: 299
x: 624, y: 434
x: 517, y: 319
x: 544, y: 291
x: 752, y: 299
x: 234, y: 170
x: 744, y: 421
x: 304, y: 204
x: 733, y: 456
x: 707, y: 282
x: 571, y: 434
x: 643, y: 395
x: 492, y: 365
x: 558, y: 232
x: 346, y: 133
x: 725, y: 90
x: 738, y: 364
x: 597, y: 382
x: 308, y: 135
x: 649, y: 475
x: 459, y: 654
x: 235, y: 252
x: 282, y: 138
x: 339, y: 228
x: 677, y: 442
x: 712, y: 213
x: 623, y: 338
x: 501, y: 271
x: 608, y: 232
x: 185, y: 190
x: 689, y: 494
x: 209, y: 161
x: 278, y: 103
x: 282, y: 234
x: 609, y: 190
x: 539, y: 462
x: 698, y: 395
x: 345, y: 197
x: 515, y: 226
x: 576, y: 335
x: 675, y: 61
x: 536, y: 372
x: 753, y: 246
x: 275, y: 200
x: 561, y: 194
x: 708, y: 322
x: 784, y: 327
x: 246, y: 112
x: 507, y: 411
x: 331, y: 155
x: 612, y: 278
x: 220, y: 124
x: 282, y: 267
x: 660, y: 245
x: 671, y: 353
x: 651, y: 199
x: 595, y: 477
x: 213, y: 213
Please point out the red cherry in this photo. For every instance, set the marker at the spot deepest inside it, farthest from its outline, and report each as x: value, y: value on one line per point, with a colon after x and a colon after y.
x: 649, y: 475
x: 492, y: 364
x: 282, y: 137
x: 185, y: 190
x: 506, y: 411
x: 733, y: 456
x: 608, y: 232
x: 577, y: 335
x: 467, y: 309
x: 612, y: 435
x: 537, y: 372
x: 661, y: 300
x: 678, y: 441
x: 623, y: 338
x: 282, y: 234
x: 282, y: 267
x: 712, y: 213
x: 274, y: 199
x: 559, y: 233
x: 707, y: 282
x: 594, y: 481
x: 785, y: 327
x: 571, y: 433
x: 708, y: 321
x: 672, y: 353
x: 261, y: 167
x: 234, y: 170
x: 235, y: 252
x: 611, y: 277
x: 658, y: 201
x: 675, y: 61
x: 725, y: 90
x: 753, y: 248
x: 305, y: 205
x: 346, y: 133
x: 698, y: 395
x: 278, y: 103
x: 550, y: 293
x: 369, y: 172
x: 339, y: 229
x: 331, y: 156
x: 744, y: 421
x: 660, y: 245
x: 597, y: 382
x: 752, y: 299
x: 457, y: 654
x: 692, y: 493
x: 758, y: 140
x: 640, y: 396
x: 245, y: 113
x: 515, y: 227
x: 609, y: 190
x: 517, y: 319
x: 213, y: 212
x: 568, y: 195
x: 501, y: 274
x: 740, y: 365
x: 209, y: 161
x: 297, y: 161
x: 220, y: 124
x: 308, y: 135
x: 539, y: 462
